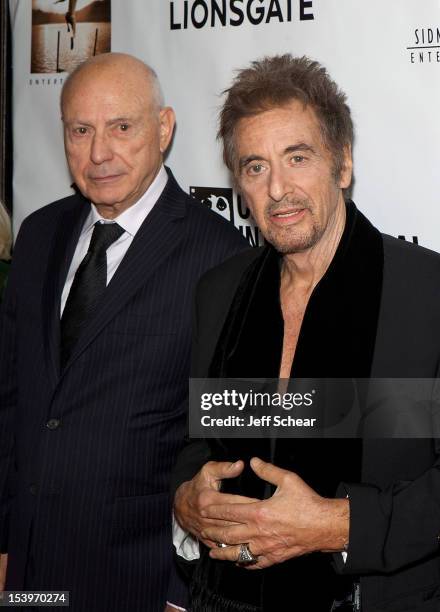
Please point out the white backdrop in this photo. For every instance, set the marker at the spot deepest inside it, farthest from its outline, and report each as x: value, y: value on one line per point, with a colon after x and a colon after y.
x: 393, y: 91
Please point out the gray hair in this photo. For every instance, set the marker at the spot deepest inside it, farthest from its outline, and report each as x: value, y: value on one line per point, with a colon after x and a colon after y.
x: 156, y: 88
x: 275, y: 81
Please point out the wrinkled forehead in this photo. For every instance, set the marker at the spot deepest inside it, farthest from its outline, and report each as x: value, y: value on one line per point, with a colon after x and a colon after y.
x: 293, y: 120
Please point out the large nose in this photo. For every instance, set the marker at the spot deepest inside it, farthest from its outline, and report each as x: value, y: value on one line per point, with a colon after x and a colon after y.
x: 279, y: 183
x: 101, y: 149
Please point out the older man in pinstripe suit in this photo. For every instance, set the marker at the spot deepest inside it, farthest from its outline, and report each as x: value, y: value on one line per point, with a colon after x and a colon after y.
x: 94, y: 353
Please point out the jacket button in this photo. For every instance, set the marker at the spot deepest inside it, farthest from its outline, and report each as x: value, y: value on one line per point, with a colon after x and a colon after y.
x: 33, y: 489
x: 53, y: 423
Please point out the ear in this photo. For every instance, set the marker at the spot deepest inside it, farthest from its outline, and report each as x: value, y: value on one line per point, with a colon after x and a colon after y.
x: 347, y: 168
x: 167, y: 119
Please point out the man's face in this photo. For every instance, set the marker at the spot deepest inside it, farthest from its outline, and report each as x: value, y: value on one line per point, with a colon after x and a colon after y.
x: 285, y: 173
x: 114, y: 137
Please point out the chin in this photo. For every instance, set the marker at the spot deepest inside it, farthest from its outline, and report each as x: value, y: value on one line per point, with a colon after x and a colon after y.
x: 98, y: 196
x: 289, y: 244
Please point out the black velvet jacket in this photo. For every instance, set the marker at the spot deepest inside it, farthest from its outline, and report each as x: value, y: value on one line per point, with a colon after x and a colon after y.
x: 337, y: 339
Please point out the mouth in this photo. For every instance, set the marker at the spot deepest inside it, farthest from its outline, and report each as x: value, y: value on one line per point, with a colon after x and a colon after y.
x: 288, y: 216
x: 109, y: 178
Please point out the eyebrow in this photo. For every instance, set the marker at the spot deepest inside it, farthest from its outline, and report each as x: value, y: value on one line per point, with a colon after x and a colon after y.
x: 244, y: 161
x: 120, y: 120
x: 300, y: 146
x: 107, y: 123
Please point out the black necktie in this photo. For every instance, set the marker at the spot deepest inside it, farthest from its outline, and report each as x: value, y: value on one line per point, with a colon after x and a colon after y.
x: 88, y: 286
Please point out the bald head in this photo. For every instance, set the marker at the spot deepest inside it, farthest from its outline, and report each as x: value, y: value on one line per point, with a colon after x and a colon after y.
x: 122, y: 67
x: 116, y: 130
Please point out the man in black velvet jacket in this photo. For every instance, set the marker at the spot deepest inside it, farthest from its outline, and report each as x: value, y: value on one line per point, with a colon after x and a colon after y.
x: 328, y: 297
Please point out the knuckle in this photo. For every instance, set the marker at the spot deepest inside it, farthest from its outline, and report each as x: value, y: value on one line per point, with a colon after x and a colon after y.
x: 225, y: 512
x: 204, y: 471
x: 262, y: 514
x: 286, y: 478
x: 203, y: 499
x: 294, y: 478
x: 275, y: 557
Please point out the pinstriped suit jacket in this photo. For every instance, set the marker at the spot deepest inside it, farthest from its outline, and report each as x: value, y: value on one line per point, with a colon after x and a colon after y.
x: 86, y: 453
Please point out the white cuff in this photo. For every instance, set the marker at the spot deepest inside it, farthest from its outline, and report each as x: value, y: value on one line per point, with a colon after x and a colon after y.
x: 186, y: 546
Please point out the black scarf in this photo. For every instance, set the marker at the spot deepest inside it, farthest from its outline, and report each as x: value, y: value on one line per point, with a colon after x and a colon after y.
x: 337, y: 339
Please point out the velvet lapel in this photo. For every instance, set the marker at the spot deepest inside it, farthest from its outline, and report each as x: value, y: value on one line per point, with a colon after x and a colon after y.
x: 250, y: 347
x: 337, y: 340
x: 68, y: 230
x: 253, y: 322
x: 156, y: 239
x: 338, y: 333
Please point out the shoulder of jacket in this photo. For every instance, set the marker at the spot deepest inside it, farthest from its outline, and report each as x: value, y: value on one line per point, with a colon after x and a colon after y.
x: 230, y: 271
x: 408, y: 252
x: 51, y: 211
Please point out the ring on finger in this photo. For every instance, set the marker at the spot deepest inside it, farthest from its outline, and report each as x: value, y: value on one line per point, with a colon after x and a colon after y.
x: 245, y: 557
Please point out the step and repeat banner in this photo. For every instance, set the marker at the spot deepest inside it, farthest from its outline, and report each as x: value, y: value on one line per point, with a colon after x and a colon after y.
x: 384, y: 55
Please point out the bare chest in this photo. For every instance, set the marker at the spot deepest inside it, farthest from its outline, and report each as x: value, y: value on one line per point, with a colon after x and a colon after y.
x: 293, y: 313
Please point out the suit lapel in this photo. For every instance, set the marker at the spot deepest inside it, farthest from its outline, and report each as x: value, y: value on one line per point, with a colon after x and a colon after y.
x: 158, y: 236
x: 65, y: 239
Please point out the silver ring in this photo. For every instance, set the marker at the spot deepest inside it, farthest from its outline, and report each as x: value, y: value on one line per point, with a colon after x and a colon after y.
x: 221, y: 545
x: 245, y: 557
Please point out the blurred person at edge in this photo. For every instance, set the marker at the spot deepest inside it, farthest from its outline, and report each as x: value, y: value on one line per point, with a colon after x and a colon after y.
x: 311, y: 524
x: 5, y: 246
x: 94, y: 353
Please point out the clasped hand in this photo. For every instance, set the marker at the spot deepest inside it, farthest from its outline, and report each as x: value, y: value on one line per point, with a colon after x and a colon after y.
x: 293, y: 522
